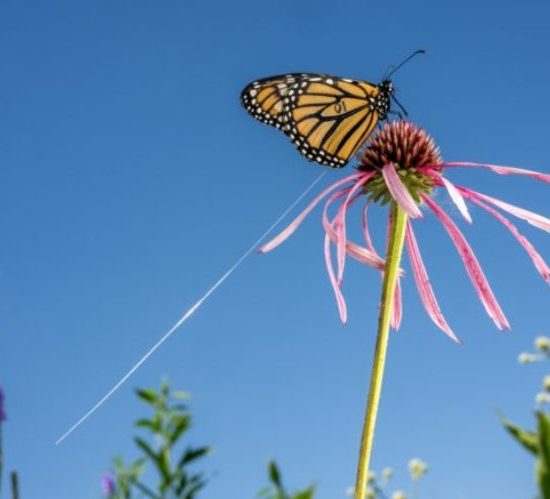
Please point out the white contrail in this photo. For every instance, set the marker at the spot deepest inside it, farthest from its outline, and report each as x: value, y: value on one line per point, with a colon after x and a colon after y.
x: 187, y: 314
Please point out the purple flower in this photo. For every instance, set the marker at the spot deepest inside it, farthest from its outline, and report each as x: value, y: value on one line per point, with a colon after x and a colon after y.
x: 3, y: 416
x: 108, y: 484
x: 402, y: 164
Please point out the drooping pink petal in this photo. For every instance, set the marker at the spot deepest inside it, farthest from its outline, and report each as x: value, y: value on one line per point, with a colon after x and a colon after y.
x: 340, y: 301
x: 535, y: 256
x: 399, y: 191
x: 358, y: 252
x: 473, y: 267
x: 363, y: 255
x: 370, y: 247
x: 366, y: 232
x: 291, y: 228
x: 354, y: 250
x: 340, y: 222
x: 501, y: 170
x: 424, y: 286
x: 457, y: 199
x: 397, y: 310
x: 535, y: 219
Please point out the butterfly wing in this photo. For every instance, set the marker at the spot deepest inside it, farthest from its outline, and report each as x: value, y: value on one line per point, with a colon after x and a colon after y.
x: 264, y: 99
x: 328, y: 118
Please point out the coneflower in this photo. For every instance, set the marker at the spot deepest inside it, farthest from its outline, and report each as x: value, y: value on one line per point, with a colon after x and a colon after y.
x: 402, y: 167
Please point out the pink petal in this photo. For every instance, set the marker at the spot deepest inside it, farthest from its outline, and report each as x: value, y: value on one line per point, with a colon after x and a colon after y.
x: 370, y: 246
x: 502, y: 170
x: 424, y: 286
x: 535, y: 219
x: 366, y: 232
x: 399, y: 192
x: 354, y: 250
x: 457, y: 199
x: 473, y: 268
x: 537, y: 259
x: 288, y: 231
x: 340, y: 301
x: 340, y: 222
x: 397, y: 311
x: 363, y: 255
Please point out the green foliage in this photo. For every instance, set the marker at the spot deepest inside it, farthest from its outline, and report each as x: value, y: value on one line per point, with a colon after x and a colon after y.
x: 160, y: 451
x: 526, y: 438
x: 537, y: 442
x: 126, y: 476
x: 277, y: 489
x: 543, y: 462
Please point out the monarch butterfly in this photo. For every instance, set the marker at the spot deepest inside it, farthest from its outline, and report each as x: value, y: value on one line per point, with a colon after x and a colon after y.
x: 326, y: 117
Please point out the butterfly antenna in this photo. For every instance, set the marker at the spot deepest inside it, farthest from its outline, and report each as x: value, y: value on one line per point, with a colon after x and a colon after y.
x: 388, y: 71
x: 399, y: 104
x: 395, y: 68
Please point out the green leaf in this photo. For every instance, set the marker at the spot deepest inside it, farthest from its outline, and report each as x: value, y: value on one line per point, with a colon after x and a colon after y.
x: 306, y: 494
x: 149, y: 395
x: 181, y: 424
x: 145, y: 447
x: 191, y: 455
x: 526, y: 438
x: 274, y: 474
x: 157, y: 423
x: 543, y: 464
x: 183, y: 481
x: 195, y: 484
x: 145, y: 423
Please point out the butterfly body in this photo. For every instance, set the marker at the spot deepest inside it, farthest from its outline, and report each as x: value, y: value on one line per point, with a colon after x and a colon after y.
x: 326, y: 117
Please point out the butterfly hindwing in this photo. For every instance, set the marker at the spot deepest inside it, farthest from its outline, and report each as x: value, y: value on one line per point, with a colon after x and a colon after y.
x: 264, y: 99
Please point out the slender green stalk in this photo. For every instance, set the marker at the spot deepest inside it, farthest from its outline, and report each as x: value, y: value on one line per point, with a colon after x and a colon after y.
x: 393, y: 259
x: 14, y: 485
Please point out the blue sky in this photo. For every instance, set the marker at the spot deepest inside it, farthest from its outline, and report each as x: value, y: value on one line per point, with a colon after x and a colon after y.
x: 132, y: 179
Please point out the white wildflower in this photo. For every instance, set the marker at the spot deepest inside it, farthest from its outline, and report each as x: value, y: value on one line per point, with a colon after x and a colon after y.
x: 417, y: 468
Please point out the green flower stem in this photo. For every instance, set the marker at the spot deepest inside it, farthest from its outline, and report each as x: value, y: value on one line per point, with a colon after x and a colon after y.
x: 393, y: 259
x: 14, y: 485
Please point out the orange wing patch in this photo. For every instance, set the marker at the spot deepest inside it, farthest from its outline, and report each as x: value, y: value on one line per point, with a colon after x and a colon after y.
x: 352, y: 89
x: 329, y: 118
x: 326, y: 117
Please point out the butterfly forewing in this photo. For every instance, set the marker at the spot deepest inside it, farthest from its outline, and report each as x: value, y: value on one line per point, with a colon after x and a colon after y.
x: 326, y: 117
